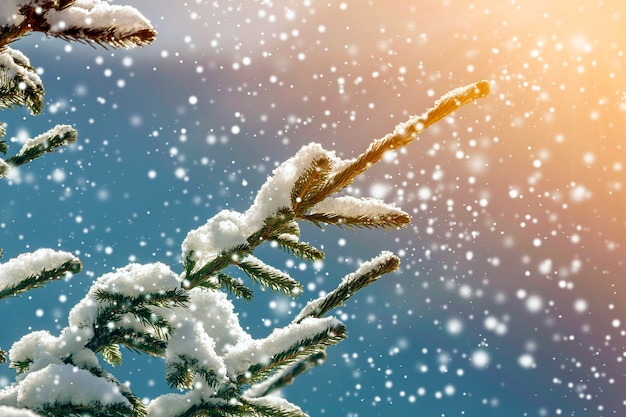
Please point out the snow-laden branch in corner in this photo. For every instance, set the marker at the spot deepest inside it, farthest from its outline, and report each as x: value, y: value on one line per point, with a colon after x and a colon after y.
x: 95, y: 21
x: 101, y: 22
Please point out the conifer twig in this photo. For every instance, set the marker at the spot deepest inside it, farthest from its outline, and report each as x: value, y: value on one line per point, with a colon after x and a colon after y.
x: 36, y: 280
x: 402, y: 135
x: 367, y: 273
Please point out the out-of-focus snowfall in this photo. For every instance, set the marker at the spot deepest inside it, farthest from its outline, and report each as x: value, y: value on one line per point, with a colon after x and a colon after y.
x: 510, y: 300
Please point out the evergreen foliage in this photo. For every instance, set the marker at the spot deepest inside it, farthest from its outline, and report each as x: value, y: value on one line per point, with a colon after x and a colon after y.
x: 219, y: 369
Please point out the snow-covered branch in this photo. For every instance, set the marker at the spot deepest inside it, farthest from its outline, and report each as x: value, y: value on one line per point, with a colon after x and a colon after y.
x: 184, y: 318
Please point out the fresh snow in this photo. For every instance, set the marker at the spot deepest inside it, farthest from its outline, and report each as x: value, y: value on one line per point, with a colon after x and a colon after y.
x: 242, y: 356
x: 67, y: 384
x: 6, y: 411
x: 277, y: 403
x: 191, y: 341
x: 364, y: 268
x: 9, y: 12
x: 97, y: 14
x: 349, y: 206
x: 58, y: 130
x: 131, y: 280
x: 13, y: 63
x: 215, y: 312
x: 26, y: 265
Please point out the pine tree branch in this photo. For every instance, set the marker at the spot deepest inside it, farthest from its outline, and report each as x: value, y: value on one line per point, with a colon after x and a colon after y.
x: 49, y: 141
x: 387, y: 221
x: 290, y: 243
x: 269, y: 277
x: 19, y: 83
x: 139, y: 342
x: 180, y: 374
x: 309, y: 184
x: 274, y: 226
x: 112, y: 354
x: 234, y: 286
x: 72, y: 266
x: 171, y: 297
x: 367, y: 273
x: 118, y: 305
x: 294, y: 353
x: 78, y: 410
x: 285, y: 376
x: 216, y: 408
x: 104, y: 25
x: 261, y: 407
x: 108, y: 329
x: 403, y: 134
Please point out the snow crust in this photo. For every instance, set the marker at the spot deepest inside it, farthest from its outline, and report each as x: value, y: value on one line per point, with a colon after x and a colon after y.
x: 26, y: 265
x: 42, y: 349
x: 190, y: 341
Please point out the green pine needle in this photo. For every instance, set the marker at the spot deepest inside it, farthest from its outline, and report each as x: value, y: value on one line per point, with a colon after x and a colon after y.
x: 234, y: 286
x: 309, y: 184
x: 269, y: 277
x: 295, y: 353
x: 91, y: 410
x: 107, y: 37
x: 35, y: 281
x: 217, y: 408
x: 21, y: 366
x: 386, y: 221
x: 303, y: 250
x: 264, y: 410
x: 180, y: 374
x: 19, y: 90
x: 112, y: 354
x: 403, y: 134
x: 287, y: 375
x: 48, y: 142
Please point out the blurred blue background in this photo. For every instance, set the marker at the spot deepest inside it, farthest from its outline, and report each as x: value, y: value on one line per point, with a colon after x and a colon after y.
x: 510, y: 301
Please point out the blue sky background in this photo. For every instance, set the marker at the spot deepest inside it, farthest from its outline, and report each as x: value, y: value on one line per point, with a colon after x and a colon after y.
x: 510, y: 301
